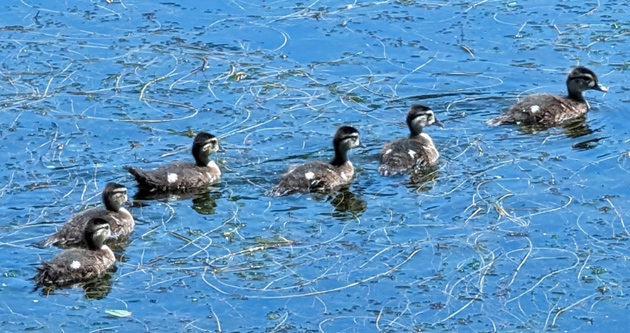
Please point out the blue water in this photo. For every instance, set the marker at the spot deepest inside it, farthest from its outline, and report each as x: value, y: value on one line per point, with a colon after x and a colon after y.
x: 513, y: 232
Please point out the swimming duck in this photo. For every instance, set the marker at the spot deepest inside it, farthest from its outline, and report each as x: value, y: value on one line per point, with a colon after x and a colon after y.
x: 182, y: 176
x: 406, y: 154
x: 551, y: 110
x: 79, y: 264
x: 320, y: 176
x: 121, y: 222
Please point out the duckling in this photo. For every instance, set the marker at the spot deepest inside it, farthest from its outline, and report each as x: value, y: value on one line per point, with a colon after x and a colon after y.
x: 548, y: 110
x: 319, y: 176
x: 79, y: 264
x: 405, y: 155
x: 121, y: 222
x: 183, y: 176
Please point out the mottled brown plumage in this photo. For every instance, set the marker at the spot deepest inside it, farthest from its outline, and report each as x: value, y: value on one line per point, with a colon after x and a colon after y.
x: 78, y: 264
x: 183, y: 176
x: 548, y: 110
x: 319, y: 176
x: 418, y: 150
x: 121, y: 222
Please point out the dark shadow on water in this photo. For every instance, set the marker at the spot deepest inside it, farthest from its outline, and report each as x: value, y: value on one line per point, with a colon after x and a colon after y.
x: 577, y: 127
x: 424, y: 179
x: 206, y: 204
x: 347, y: 205
x: 204, y: 201
x: 574, y: 128
x: 588, y: 144
x: 97, y: 288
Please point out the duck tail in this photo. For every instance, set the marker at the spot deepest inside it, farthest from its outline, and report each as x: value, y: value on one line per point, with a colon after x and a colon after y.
x: 46, y: 242
x: 500, y: 120
x: 44, y: 275
x: 141, y: 176
x: 277, y: 191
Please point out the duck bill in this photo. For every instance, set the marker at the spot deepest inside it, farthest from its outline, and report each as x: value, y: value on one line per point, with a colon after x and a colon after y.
x: 438, y: 123
x: 600, y: 88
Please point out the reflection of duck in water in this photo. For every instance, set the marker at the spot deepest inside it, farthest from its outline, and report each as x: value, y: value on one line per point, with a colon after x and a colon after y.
x: 120, y: 220
x: 78, y: 264
x: 407, y: 154
x: 347, y: 202
x: 546, y: 110
x: 319, y: 176
x: 425, y: 179
x: 204, y: 200
x: 206, y: 203
x: 182, y: 176
x: 97, y: 288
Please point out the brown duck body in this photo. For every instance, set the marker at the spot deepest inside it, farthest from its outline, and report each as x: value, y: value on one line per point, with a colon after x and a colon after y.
x: 121, y: 222
x: 547, y: 110
x: 178, y: 176
x: 417, y: 150
x: 405, y: 155
x: 75, y: 265
x: 71, y: 233
x: 315, y: 176
x: 319, y: 176
x: 182, y: 176
x: 542, y: 109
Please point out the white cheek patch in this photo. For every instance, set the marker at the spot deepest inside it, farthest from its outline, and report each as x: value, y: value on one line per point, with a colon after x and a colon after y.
x: 534, y: 108
x: 309, y: 175
x: 75, y: 265
x: 412, y: 153
x: 171, y: 177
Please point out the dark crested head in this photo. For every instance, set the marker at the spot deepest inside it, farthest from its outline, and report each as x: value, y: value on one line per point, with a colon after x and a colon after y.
x: 581, y: 79
x: 114, y: 195
x: 346, y: 137
x: 96, y: 231
x: 420, y: 116
x: 204, y: 145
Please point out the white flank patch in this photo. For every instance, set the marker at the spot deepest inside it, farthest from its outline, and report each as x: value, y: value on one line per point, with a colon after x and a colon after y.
x: 171, y: 177
x: 344, y: 176
x: 388, y: 151
x: 412, y: 153
x: 75, y: 265
x: 309, y: 175
x: 534, y: 108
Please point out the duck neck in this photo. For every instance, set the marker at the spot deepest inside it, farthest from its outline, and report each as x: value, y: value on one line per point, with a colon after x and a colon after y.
x: 91, y: 244
x: 576, y: 96
x: 340, y: 158
x: 415, y: 131
x: 575, y: 91
x: 202, y: 160
x: 111, y: 204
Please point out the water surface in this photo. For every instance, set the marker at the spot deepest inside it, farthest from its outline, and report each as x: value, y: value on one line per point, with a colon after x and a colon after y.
x: 513, y: 231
